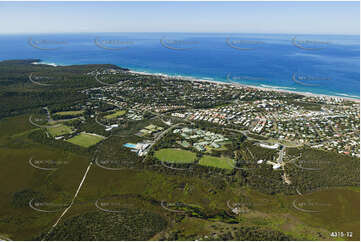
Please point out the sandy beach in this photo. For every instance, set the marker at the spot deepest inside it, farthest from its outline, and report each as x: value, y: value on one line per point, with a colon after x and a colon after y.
x: 239, y: 85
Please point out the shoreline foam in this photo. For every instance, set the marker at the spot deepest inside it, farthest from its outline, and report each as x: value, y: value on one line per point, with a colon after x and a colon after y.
x: 262, y: 87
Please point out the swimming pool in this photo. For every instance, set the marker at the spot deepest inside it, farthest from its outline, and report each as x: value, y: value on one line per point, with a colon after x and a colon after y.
x: 129, y: 145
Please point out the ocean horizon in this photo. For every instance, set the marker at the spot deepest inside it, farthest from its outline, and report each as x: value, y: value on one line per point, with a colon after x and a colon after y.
x: 317, y: 64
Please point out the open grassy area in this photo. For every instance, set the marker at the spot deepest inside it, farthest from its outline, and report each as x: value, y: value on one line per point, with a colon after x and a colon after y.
x: 21, y: 222
x: 219, y: 162
x: 85, y: 140
x: 115, y: 115
x: 175, y: 156
x: 60, y: 130
x: 69, y: 113
x: 339, y: 207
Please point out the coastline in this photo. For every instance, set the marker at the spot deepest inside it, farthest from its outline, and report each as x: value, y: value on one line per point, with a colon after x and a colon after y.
x: 239, y: 85
x: 268, y: 88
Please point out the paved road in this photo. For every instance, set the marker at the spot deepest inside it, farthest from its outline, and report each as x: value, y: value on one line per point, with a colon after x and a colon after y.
x: 161, y: 136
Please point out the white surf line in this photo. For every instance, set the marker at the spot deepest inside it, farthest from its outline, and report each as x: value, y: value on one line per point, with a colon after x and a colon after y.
x: 72, y: 201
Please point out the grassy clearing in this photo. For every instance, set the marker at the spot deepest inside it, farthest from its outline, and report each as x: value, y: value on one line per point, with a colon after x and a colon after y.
x: 175, y: 156
x: 342, y: 213
x: 85, y: 140
x: 73, y: 113
x: 23, y: 223
x: 219, y: 162
x: 115, y: 115
x: 60, y: 130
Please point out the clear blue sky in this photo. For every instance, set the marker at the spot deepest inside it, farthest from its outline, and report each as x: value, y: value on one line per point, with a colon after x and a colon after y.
x: 215, y: 17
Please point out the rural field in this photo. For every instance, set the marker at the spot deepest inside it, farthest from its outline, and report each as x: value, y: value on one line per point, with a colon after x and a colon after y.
x: 59, y: 130
x: 175, y: 156
x: 85, y: 140
x: 115, y: 115
x: 218, y: 162
x: 144, y: 187
x: 72, y: 113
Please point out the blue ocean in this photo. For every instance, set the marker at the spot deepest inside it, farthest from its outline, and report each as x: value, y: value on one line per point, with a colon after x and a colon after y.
x: 319, y: 64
